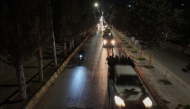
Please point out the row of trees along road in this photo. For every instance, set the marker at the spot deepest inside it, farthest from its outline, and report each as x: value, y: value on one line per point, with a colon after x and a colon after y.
x: 151, y: 22
x: 28, y: 26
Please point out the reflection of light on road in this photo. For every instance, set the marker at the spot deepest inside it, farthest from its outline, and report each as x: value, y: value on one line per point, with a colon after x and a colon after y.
x: 109, y: 51
x: 78, y: 81
x: 104, y: 54
x: 97, y: 31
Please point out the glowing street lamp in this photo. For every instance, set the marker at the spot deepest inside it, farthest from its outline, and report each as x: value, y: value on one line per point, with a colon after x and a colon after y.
x: 96, y: 4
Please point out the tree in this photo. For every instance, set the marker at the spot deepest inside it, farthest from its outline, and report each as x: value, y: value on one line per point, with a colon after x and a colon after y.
x: 70, y: 18
x: 187, y: 32
x: 18, y: 31
x: 26, y: 28
x: 119, y: 18
x: 44, y: 31
x: 155, y: 17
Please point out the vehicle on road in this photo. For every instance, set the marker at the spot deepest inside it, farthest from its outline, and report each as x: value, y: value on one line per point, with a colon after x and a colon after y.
x: 81, y: 55
x: 104, y: 25
x: 80, y: 58
x: 108, y: 40
x: 107, y: 30
x: 126, y: 90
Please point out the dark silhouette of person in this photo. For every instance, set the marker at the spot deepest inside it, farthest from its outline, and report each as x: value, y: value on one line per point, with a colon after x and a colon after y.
x: 122, y: 59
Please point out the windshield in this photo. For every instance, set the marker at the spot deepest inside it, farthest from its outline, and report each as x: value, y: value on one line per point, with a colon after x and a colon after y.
x: 128, y: 80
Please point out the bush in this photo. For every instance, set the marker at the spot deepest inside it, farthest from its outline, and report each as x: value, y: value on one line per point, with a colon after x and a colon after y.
x: 141, y: 58
x: 134, y: 51
x: 129, y: 46
x: 149, y: 67
x: 186, y: 107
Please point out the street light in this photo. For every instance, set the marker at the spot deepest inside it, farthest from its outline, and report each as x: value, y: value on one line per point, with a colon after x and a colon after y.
x: 96, y: 9
x: 96, y: 4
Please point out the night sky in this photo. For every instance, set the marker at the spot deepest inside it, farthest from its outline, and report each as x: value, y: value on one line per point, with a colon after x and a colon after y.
x: 102, y: 3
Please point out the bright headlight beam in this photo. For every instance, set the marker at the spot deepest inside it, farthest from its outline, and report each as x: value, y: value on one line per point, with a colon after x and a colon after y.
x: 113, y: 42
x: 147, y: 102
x: 105, y: 41
x: 96, y: 4
x: 119, y: 102
x: 80, y: 56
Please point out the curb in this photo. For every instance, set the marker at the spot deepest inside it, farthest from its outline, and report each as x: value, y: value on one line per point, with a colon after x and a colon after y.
x: 32, y: 102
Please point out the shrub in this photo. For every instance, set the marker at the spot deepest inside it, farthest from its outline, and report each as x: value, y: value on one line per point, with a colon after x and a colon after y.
x: 149, y: 67
x: 141, y: 58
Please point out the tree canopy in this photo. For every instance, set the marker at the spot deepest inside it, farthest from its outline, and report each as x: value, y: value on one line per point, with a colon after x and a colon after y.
x: 147, y: 20
x: 71, y: 17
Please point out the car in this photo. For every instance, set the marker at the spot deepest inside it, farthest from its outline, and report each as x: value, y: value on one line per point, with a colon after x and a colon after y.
x: 108, y: 40
x: 126, y: 90
x: 107, y: 31
x: 104, y: 25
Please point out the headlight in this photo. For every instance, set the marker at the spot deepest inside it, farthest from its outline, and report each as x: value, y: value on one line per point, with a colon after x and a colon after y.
x: 105, y: 41
x: 113, y: 42
x: 119, y: 102
x: 80, y: 56
x: 147, y: 102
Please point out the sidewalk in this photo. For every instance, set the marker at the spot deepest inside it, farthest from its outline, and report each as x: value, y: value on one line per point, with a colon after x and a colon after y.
x: 173, y: 96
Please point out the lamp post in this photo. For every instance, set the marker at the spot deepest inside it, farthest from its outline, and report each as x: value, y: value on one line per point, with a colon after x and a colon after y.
x: 96, y: 6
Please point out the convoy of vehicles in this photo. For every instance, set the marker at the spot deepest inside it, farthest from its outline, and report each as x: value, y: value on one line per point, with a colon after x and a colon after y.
x: 126, y: 90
